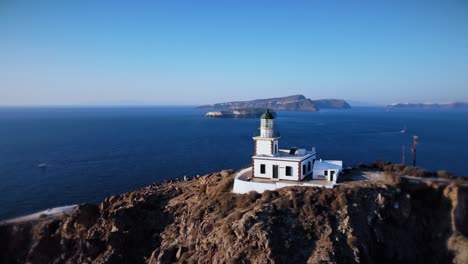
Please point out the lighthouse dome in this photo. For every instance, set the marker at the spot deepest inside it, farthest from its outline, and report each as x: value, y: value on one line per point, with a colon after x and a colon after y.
x: 267, y: 115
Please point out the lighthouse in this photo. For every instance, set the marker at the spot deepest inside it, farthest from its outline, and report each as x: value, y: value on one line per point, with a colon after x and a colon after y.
x: 274, y: 168
x: 270, y: 162
x: 267, y: 142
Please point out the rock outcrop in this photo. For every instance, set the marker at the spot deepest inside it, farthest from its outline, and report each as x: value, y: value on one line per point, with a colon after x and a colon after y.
x: 288, y: 103
x: 201, y: 221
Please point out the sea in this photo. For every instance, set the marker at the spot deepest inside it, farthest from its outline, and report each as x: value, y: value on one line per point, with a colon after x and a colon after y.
x: 59, y: 156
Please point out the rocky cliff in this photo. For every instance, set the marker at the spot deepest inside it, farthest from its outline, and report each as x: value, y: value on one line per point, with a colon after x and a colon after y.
x: 288, y: 103
x: 331, y: 104
x: 201, y: 221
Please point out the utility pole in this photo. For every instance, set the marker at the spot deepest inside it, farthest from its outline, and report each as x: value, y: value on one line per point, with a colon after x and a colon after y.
x: 413, y: 149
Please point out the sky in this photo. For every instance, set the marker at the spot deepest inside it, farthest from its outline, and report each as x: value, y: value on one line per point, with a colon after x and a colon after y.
x: 198, y: 52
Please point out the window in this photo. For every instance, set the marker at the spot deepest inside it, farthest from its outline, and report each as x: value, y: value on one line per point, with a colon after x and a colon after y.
x: 262, y: 168
x: 288, y: 171
x: 303, y: 169
x: 325, y: 173
x: 309, y: 166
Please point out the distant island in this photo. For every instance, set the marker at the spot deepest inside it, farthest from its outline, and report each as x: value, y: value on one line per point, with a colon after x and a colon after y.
x: 287, y: 103
x: 430, y: 105
x: 238, y: 113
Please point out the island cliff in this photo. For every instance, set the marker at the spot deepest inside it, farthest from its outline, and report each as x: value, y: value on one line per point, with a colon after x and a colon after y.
x: 429, y: 105
x: 288, y: 103
x: 393, y: 220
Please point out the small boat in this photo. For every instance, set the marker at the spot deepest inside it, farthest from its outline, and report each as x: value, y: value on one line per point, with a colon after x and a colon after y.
x: 42, y: 165
x: 403, y: 130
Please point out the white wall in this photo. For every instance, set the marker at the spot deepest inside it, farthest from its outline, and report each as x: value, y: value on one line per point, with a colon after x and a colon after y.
x: 249, y: 186
x: 305, y: 162
x: 320, y: 174
x: 246, y: 186
x: 327, y: 166
x: 263, y: 147
x: 281, y: 169
x: 275, y: 143
x: 242, y: 186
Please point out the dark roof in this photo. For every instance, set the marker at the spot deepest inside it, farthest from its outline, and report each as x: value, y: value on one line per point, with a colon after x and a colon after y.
x: 267, y: 115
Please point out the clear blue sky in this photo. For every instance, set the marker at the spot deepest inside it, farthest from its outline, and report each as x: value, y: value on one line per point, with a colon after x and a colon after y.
x: 194, y: 52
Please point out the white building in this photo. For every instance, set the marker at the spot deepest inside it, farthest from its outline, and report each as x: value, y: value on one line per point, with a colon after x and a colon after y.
x: 274, y: 168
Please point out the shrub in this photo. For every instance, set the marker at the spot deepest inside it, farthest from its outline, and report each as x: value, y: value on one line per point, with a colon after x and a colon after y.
x: 416, y: 172
x: 362, y: 166
x: 398, y: 167
x: 460, y: 180
x: 352, y: 241
x: 392, y: 177
x: 444, y: 174
x: 339, y: 202
x: 268, y: 196
x: 222, y: 187
x: 224, y: 205
x: 380, y: 164
x: 323, y: 198
x: 234, y: 216
x: 198, y: 212
x: 202, y: 189
x: 247, y: 199
x: 388, y: 168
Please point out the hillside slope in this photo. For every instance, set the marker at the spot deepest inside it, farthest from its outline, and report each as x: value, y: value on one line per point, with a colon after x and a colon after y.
x: 201, y: 221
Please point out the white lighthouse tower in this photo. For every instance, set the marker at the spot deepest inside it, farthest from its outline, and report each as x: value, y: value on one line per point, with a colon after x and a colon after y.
x: 267, y: 142
x: 274, y: 168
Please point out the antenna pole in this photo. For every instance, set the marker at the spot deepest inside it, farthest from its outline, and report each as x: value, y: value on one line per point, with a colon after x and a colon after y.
x: 413, y: 149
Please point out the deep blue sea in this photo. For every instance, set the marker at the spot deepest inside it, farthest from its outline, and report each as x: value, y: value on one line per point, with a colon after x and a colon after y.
x: 95, y: 152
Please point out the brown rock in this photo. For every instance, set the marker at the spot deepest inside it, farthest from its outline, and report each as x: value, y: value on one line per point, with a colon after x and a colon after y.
x: 177, y: 222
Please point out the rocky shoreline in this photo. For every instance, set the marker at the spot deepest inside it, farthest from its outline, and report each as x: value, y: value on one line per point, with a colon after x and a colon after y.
x: 41, y: 215
x: 386, y: 219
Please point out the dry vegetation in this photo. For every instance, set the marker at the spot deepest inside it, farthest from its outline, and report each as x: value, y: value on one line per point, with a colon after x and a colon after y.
x: 411, y: 171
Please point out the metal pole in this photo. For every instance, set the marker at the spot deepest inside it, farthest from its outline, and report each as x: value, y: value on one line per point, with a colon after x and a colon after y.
x: 413, y: 149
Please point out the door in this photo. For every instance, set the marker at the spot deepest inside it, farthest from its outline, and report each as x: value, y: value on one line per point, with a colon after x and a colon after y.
x: 275, y: 171
x: 332, y: 175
